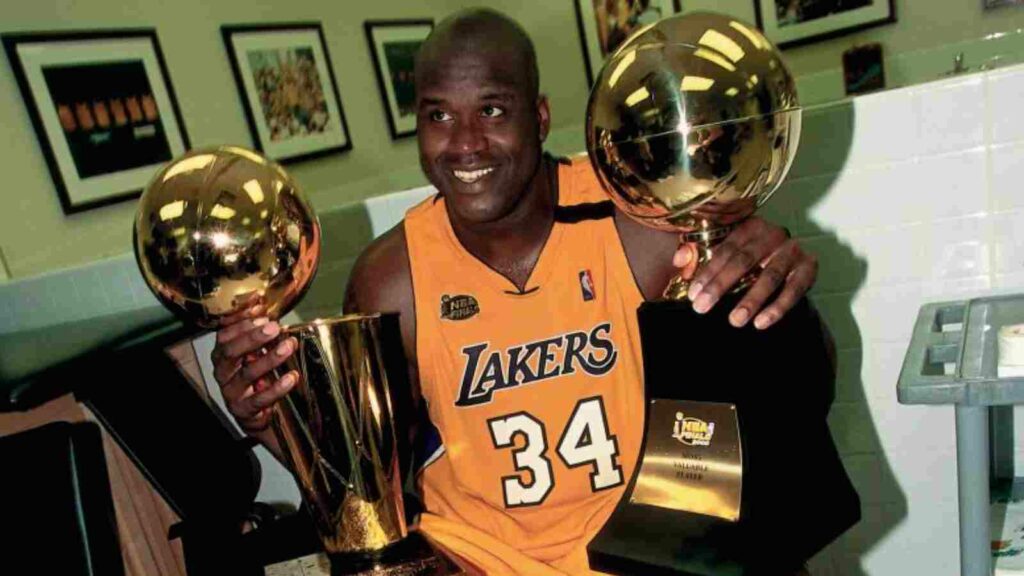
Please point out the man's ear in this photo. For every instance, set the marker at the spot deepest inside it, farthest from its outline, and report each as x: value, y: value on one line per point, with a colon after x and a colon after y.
x: 543, y: 116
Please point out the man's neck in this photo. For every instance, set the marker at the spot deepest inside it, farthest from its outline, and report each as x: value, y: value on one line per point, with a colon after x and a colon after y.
x: 513, y: 244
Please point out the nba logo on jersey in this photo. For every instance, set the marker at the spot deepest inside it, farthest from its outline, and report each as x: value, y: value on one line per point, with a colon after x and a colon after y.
x: 586, y: 285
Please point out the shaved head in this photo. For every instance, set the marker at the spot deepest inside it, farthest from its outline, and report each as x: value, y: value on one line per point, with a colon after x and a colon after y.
x: 480, y: 31
x: 480, y: 121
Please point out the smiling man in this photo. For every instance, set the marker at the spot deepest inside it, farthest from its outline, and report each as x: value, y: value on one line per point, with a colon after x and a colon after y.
x: 516, y: 288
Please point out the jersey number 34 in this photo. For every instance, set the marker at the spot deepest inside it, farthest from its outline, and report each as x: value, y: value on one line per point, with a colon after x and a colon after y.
x: 585, y: 441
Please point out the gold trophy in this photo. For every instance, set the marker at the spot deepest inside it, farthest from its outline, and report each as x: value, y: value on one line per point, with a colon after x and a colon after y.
x: 692, y: 124
x: 220, y: 229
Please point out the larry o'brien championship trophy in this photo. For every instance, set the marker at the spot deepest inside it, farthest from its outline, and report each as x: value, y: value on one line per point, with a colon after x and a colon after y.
x: 220, y: 229
x: 691, y: 125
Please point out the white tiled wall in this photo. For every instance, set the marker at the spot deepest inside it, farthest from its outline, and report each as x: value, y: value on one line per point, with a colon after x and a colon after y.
x: 97, y: 289
x: 916, y: 199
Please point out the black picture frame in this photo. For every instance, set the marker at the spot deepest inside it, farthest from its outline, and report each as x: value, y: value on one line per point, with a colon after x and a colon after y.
x: 100, y: 148
x: 301, y: 143
x: 828, y: 25
x: 401, y: 125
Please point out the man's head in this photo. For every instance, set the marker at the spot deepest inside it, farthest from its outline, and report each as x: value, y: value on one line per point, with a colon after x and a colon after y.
x: 480, y: 119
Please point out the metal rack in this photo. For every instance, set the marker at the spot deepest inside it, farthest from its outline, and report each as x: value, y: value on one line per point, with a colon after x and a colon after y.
x: 953, y: 359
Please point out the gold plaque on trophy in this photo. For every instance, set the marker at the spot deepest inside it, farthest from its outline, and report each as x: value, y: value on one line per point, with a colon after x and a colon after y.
x: 693, y: 460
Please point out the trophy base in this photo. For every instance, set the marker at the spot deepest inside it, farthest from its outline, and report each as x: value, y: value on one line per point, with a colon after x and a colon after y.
x: 796, y: 496
x: 414, y: 555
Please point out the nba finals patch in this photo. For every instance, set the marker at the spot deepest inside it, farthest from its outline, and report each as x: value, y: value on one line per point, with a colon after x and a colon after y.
x: 458, y: 307
x: 586, y: 285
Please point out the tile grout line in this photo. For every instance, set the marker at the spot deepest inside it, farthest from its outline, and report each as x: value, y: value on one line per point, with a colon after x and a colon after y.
x: 989, y: 183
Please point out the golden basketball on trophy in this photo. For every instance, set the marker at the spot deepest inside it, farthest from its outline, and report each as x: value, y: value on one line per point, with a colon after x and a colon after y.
x: 691, y: 125
x: 220, y: 227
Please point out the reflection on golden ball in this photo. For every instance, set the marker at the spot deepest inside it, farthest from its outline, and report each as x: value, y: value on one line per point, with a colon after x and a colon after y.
x: 220, y: 229
x: 693, y: 122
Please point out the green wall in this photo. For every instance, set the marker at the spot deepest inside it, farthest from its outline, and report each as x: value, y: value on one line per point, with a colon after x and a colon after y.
x: 35, y: 236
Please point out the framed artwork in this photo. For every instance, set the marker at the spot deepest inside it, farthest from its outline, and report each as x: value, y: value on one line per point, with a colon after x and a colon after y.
x: 393, y: 45
x: 102, y: 107
x: 287, y: 86
x: 605, y: 24
x: 794, y: 22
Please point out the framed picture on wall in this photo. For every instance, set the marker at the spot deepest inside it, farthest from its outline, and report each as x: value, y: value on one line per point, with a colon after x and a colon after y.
x: 794, y: 22
x: 288, y: 91
x: 102, y: 107
x: 605, y: 24
x: 393, y: 45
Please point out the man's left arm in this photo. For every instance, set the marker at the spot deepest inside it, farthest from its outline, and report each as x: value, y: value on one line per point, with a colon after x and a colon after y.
x: 756, y: 244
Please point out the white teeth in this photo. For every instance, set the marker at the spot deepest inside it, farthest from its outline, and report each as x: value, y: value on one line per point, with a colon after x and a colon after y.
x: 473, y: 176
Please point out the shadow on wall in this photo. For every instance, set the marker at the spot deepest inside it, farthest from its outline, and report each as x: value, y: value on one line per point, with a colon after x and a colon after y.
x: 825, y: 145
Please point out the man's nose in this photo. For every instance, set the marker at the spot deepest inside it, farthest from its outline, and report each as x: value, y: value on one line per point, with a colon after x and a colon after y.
x: 469, y: 137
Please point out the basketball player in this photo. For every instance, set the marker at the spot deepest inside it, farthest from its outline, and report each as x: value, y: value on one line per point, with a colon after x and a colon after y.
x: 517, y: 287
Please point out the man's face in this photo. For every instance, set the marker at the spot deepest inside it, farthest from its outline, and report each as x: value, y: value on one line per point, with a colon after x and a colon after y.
x: 480, y: 132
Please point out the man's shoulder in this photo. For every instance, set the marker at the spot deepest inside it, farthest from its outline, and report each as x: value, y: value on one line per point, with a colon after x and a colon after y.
x: 387, y: 257
x: 381, y: 278
x: 584, y: 186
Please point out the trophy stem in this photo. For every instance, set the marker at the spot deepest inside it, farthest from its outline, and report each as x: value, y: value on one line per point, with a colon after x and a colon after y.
x: 677, y: 289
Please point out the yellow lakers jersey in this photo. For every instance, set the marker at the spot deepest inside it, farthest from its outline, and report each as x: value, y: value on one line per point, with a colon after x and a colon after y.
x: 537, y: 393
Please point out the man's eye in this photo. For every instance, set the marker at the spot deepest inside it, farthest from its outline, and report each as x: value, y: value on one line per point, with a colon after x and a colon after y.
x: 492, y: 111
x: 440, y: 116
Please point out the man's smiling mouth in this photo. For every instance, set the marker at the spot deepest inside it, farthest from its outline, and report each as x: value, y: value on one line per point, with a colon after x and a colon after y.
x: 471, y: 176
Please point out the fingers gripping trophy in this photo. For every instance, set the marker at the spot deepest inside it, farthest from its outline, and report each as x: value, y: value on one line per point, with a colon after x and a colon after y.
x: 222, y: 229
x: 692, y: 125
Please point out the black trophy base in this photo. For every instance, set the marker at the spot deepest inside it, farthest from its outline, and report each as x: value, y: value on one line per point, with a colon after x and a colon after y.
x: 414, y: 555
x: 796, y: 496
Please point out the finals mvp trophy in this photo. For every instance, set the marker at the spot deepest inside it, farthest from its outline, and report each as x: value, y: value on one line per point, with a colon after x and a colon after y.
x: 692, y: 124
x: 220, y: 229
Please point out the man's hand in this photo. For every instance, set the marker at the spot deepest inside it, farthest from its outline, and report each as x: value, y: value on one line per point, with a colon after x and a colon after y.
x: 752, y: 245
x: 245, y: 371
